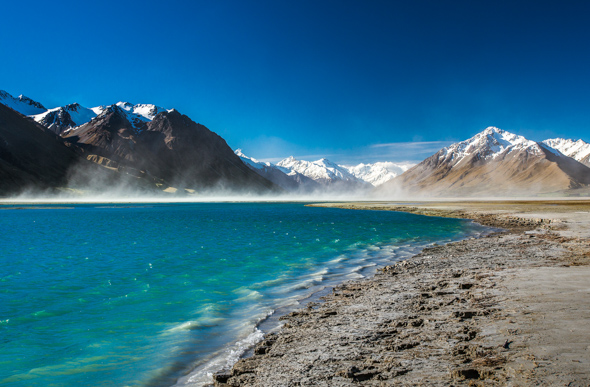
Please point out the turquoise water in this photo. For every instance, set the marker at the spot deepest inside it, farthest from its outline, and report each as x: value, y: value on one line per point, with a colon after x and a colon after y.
x: 143, y: 295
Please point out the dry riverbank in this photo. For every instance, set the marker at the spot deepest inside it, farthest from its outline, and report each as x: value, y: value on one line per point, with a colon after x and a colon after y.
x: 510, y: 308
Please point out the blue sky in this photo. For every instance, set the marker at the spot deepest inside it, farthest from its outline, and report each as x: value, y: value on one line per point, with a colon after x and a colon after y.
x: 315, y: 78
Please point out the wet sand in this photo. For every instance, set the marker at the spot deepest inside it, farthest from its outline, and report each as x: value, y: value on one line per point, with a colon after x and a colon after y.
x: 508, y: 309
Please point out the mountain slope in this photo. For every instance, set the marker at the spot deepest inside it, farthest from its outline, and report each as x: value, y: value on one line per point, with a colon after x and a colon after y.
x: 30, y: 156
x: 23, y: 105
x: 34, y: 158
x: 492, y: 163
x: 197, y: 156
x: 170, y: 146
x: 578, y: 150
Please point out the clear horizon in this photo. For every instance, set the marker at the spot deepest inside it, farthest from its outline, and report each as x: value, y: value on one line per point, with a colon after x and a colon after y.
x: 352, y: 82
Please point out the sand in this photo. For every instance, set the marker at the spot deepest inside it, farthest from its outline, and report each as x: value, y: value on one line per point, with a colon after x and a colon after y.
x: 512, y: 308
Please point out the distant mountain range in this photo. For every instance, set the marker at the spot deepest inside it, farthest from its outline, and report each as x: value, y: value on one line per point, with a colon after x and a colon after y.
x: 152, y: 149
x: 324, y: 175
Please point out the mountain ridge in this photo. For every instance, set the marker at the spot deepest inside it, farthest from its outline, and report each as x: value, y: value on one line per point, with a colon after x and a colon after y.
x: 578, y: 150
x: 325, y: 172
x: 160, y: 147
x: 165, y: 147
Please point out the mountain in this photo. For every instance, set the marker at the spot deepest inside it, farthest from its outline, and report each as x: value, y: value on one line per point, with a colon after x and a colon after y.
x: 325, y: 172
x: 492, y: 163
x: 137, y: 146
x: 578, y: 150
x: 285, y: 178
x: 167, y: 145
x: 23, y: 105
x: 377, y: 173
x: 65, y: 118
x: 33, y: 158
x: 299, y: 175
x: 30, y: 156
x: 61, y: 119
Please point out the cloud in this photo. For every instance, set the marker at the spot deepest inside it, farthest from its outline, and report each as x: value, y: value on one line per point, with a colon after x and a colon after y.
x: 414, y: 145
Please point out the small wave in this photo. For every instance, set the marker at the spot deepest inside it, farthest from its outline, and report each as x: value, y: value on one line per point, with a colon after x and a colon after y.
x: 320, y: 274
x: 270, y: 283
x: 195, y: 324
x: 247, y: 294
x: 337, y: 259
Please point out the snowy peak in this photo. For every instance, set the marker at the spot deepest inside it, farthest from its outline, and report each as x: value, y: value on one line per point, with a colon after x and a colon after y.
x: 23, y: 105
x: 64, y: 118
x: 250, y: 161
x: 239, y: 153
x: 488, y: 144
x: 30, y: 102
x: 138, y: 115
x: 325, y: 171
x: 285, y: 178
x: 494, y: 162
x: 69, y: 117
x: 578, y: 150
x: 322, y: 170
x: 377, y: 173
x: 146, y: 111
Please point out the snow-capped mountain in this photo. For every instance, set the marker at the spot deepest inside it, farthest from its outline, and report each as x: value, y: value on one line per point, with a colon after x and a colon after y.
x: 61, y: 119
x: 493, y: 163
x: 578, y: 150
x: 285, y: 178
x: 138, y: 114
x: 149, y: 146
x: 251, y: 161
x: 66, y: 118
x: 23, y: 105
x: 323, y: 171
x: 490, y: 144
x: 169, y: 148
x: 377, y: 173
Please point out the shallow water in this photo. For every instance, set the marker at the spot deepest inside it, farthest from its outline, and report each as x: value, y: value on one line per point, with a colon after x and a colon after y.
x: 144, y: 294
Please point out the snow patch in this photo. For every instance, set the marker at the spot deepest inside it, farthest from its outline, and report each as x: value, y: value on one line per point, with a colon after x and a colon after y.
x: 578, y: 150
x: 23, y: 105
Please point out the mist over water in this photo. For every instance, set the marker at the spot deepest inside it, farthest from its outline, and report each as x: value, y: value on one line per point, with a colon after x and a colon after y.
x: 125, y: 194
x: 142, y: 293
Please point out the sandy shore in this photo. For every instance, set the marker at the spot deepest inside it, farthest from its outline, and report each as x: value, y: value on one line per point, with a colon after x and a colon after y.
x: 512, y: 308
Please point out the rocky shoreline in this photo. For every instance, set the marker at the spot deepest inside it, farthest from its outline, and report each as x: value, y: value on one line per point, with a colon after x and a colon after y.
x: 452, y: 314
